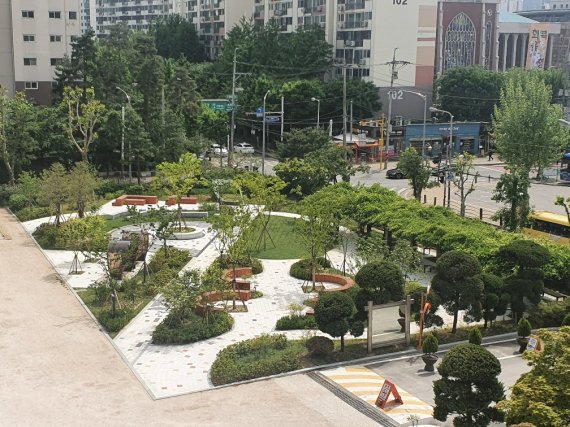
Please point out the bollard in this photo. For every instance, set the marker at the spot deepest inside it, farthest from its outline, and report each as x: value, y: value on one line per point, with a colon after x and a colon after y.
x: 435, y: 201
x: 481, y: 214
x: 489, y: 178
x: 476, y: 178
x: 425, y: 199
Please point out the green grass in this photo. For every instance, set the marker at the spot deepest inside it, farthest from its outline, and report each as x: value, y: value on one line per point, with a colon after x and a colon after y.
x: 288, y: 244
x: 129, y: 309
x: 111, y: 224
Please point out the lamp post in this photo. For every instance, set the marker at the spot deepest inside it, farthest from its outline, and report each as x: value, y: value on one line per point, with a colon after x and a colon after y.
x: 448, y: 155
x: 123, y: 138
x: 318, y: 101
x: 263, y: 138
x: 424, y: 97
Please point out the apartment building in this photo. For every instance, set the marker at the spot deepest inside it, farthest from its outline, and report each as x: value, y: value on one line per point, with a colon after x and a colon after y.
x: 138, y: 15
x: 34, y: 38
x: 213, y: 18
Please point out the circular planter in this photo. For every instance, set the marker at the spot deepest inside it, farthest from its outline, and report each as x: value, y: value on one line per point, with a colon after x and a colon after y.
x: 187, y: 236
x: 429, y: 360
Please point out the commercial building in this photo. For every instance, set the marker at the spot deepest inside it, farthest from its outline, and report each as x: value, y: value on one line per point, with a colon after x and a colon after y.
x: 34, y: 38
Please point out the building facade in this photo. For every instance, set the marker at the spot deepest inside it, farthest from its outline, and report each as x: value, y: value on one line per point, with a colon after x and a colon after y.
x: 34, y: 38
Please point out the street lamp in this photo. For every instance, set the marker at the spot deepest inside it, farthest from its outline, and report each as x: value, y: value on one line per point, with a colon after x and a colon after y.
x: 424, y: 97
x: 123, y: 138
x: 318, y: 101
x: 263, y: 139
x: 448, y: 155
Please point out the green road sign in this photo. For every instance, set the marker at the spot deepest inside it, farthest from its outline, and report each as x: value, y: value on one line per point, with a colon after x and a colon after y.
x: 218, y: 104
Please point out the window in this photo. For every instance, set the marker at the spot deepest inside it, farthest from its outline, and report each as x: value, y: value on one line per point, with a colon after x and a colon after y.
x: 72, y: 15
x: 30, y: 61
x: 31, y: 85
x: 55, y: 61
x: 55, y: 39
x: 27, y: 13
x: 55, y: 14
x: 460, y: 39
x: 29, y: 38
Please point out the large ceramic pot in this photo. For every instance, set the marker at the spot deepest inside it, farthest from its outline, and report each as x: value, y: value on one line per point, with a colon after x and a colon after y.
x: 429, y: 360
x: 522, y: 342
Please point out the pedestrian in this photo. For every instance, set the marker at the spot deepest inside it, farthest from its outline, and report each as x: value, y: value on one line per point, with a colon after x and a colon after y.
x: 490, y: 155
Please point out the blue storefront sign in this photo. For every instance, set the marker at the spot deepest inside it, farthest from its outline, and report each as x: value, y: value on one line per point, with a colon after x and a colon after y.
x: 466, y: 137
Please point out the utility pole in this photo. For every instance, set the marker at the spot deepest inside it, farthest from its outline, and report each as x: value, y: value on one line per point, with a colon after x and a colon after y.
x: 351, y: 117
x: 162, y: 118
x: 282, y: 117
x: 393, y: 75
x: 344, y: 106
x: 235, y: 77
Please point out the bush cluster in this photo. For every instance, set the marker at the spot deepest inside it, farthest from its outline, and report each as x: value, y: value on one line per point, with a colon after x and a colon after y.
x: 191, y: 328
x: 319, y: 346
x: 173, y: 259
x: 255, y: 358
x: 549, y: 314
x: 287, y: 323
x: 27, y: 214
x: 115, y: 324
x: 302, y: 269
x: 46, y: 235
x: 244, y: 261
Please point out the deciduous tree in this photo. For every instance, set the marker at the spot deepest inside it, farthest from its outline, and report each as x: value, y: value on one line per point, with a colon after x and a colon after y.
x: 417, y: 171
x: 463, y: 168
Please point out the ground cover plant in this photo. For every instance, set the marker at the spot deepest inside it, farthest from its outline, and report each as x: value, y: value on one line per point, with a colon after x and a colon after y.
x: 191, y: 327
x: 287, y: 242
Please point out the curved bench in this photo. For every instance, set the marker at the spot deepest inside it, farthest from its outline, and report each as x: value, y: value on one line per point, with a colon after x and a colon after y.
x: 345, y: 282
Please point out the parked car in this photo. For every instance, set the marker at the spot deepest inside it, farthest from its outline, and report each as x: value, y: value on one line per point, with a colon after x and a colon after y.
x: 244, y: 148
x: 442, y: 170
x: 395, y: 174
x: 217, y: 150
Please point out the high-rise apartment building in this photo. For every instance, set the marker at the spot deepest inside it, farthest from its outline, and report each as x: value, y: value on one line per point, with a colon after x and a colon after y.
x: 34, y: 38
x: 213, y: 18
x: 137, y: 14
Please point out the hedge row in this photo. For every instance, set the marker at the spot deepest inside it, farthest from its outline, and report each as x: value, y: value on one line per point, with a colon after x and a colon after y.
x: 258, y: 357
x: 287, y: 323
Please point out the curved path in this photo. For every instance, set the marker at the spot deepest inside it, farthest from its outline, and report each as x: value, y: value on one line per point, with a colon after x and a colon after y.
x: 58, y: 369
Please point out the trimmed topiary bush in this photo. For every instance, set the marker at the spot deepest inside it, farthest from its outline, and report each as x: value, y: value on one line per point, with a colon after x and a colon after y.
x: 523, y: 328
x: 287, y: 323
x: 302, y: 269
x: 255, y: 358
x: 475, y: 336
x: 191, y: 328
x: 319, y: 346
x: 430, y: 345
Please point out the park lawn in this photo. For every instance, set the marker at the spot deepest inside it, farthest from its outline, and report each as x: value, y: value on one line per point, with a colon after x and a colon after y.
x: 288, y: 244
x: 111, y: 224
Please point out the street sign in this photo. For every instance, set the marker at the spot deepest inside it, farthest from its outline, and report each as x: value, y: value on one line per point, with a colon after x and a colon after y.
x: 218, y: 104
x: 388, y: 388
x: 259, y: 112
x: 272, y: 119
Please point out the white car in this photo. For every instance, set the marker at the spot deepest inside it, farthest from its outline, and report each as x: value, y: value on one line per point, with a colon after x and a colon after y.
x: 217, y: 150
x: 244, y: 147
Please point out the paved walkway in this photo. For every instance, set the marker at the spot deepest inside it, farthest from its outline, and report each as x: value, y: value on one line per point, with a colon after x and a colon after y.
x: 58, y: 369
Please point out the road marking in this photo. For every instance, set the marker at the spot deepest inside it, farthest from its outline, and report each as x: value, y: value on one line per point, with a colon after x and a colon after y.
x: 366, y: 384
x: 509, y: 357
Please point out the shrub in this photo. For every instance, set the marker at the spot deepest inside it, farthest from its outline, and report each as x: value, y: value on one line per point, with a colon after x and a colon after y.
x: 548, y: 314
x: 191, y: 327
x: 171, y: 259
x: 27, y: 214
x: 524, y: 328
x: 475, y: 336
x: 319, y: 346
x: 115, y: 324
x: 17, y: 201
x: 46, y: 235
x: 296, y: 322
x: 566, y: 320
x: 5, y: 192
x: 430, y: 345
x: 244, y: 261
x: 255, y: 358
x: 302, y: 269
x: 382, y: 281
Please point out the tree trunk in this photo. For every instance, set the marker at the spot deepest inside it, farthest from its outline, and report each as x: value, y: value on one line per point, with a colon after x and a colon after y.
x: 11, y: 177
x: 81, y: 209
x: 342, y: 343
x: 138, y: 171
x: 84, y: 158
x: 455, y: 316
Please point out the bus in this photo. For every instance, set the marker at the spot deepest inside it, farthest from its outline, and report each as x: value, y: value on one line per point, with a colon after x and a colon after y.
x: 550, y: 226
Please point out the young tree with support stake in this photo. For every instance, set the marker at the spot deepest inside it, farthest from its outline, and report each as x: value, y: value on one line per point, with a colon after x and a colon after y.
x: 55, y: 189
x: 463, y: 167
x: 417, y: 171
x: 178, y: 179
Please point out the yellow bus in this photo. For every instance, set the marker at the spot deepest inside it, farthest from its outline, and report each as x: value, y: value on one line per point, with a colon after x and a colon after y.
x: 550, y: 226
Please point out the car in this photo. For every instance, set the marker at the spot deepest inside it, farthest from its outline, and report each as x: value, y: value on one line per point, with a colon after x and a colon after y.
x: 217, y: 150
x: 442, y: 170
x: 395, y: 174
x: 244, y: 148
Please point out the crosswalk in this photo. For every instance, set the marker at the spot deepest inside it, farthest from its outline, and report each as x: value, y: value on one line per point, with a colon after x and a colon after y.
x: 366, y: 384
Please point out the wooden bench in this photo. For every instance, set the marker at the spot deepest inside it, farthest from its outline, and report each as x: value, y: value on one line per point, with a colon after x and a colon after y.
x: 554, y: 294
x: 171, y: 201
x: 135, y: 200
